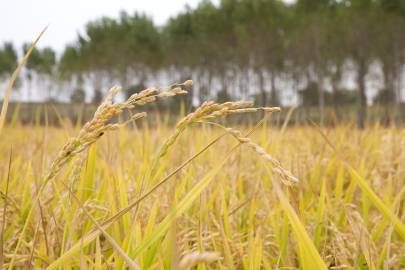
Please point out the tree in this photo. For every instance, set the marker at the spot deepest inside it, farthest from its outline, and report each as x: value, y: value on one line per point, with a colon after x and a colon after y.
x: 246, y: 48
x: 8, y: 60
x: 42, y: 62
x: 78, y: 96
x: 71, y: 62
x: 97, y: 97
x: 390, y: 52
x: 360, y: 17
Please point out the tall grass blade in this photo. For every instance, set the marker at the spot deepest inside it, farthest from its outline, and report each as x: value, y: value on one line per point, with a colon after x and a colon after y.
x: 308, y: 250
x: 13, y: 78
x: 366, y: 189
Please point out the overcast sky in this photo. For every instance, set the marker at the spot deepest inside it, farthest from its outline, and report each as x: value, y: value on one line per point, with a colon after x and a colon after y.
x: 22, y: 20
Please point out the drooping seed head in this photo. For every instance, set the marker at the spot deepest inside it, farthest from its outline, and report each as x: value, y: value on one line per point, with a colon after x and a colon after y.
x: 138, y: 116
x: 188, y: 83
x: 179, y: 91
x: 271, y: 109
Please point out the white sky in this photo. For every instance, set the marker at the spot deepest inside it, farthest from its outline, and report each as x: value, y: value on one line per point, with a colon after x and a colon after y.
x: 22, y: 20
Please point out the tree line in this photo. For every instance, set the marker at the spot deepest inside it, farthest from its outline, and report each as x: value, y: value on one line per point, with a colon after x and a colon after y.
x: 242, y: 49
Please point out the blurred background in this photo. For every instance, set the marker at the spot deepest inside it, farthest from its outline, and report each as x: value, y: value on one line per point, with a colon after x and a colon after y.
x: 335, y: 61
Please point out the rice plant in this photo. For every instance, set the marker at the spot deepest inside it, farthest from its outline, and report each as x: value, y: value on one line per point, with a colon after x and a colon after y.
x: 201, y: 194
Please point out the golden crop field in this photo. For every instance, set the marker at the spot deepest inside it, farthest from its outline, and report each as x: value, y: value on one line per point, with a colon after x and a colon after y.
x: 202, y: 194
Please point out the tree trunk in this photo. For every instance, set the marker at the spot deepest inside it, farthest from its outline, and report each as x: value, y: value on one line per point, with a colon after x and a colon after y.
x: 263, y: 94
x: 335, y: 88
x: 321, y: 96
x: 273, y: 92
x: 361, y: 99
x: 224, y: 83
x: 398, y: 112
x: 389, y: 88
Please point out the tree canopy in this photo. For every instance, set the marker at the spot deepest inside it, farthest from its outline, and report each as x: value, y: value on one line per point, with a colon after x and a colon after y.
x: 8, y: 59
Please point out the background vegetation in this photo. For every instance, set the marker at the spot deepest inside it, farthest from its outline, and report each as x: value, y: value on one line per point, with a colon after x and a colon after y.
x: 266, y: 50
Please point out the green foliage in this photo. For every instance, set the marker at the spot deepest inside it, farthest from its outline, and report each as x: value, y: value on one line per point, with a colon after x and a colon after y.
x: 8, y: 60
x: 70, y: 62
x: 115, y: 46
x: 41, y: 61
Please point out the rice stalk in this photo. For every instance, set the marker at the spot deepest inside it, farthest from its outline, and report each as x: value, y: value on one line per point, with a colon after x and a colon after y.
x: 3, y: 224
x: 366, y: 189
x: 207, y: 111
x: 286, y: 176
x: 310, y: 254
x: 90, y: 133
x: 87, y: 239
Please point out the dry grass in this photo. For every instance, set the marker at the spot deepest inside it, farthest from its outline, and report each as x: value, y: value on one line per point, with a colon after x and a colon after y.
x: 201, y: 194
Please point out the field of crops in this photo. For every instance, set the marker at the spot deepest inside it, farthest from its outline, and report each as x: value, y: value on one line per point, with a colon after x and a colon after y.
x: 201, y: 194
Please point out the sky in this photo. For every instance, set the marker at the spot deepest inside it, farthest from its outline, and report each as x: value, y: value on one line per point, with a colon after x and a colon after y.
x: 22, y: 20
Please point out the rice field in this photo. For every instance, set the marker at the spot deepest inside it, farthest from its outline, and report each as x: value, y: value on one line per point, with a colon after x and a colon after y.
x: 202, y: 194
